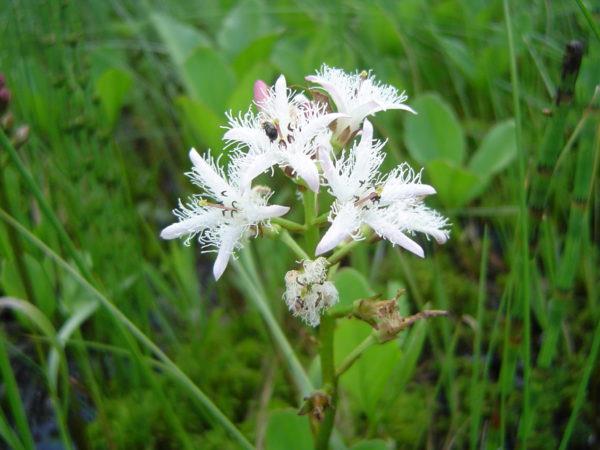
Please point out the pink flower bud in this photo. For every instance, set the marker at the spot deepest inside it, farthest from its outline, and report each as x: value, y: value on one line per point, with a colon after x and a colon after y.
x: 261, y: 92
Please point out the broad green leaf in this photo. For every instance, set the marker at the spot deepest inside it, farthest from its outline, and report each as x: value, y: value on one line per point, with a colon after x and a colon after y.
x: 208, y: 78
x: 257, y: 53
x: 351, y: 286
x: 455, y: 186
x: 435, y: 133
x: 112, y: 88
x: 285, y: 56
x: 247, y: 21
x: 179, y: 38
x: 287, y: 430
x: 497, y: 150
x: 373, y: 444
x: 202, y: 122
x: 367, y: 378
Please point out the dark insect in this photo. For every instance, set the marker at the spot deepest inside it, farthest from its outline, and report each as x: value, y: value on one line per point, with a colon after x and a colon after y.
x: 270, y: 130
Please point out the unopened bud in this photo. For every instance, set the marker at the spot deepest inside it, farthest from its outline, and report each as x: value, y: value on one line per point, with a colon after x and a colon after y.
x: 2, y: 80
x: 389, y: 328
x: 261, y: 92
x: 262, y: 191
x: 20, y: 136
x: 316, y: 405
x: 4, y: 98
x: 373, y: 312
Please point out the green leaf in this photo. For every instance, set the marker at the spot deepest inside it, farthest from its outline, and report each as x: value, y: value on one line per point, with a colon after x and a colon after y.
x: 287, y: 430
x: 180, y: 39
x: 497, y: 150
x: 455, y: 185
x: 208, y: 78
x: 373, y: 444
x: 202, y: 122
x: 351, y: 286
x: 367, y: 379
x: 256, y: 53
x: 246, y: 22
x: 435, y: 133
x: 285, y: 56
x: 112, y: 88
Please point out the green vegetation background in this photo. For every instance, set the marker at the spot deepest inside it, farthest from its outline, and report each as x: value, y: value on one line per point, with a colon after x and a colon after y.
x: 115, y: 92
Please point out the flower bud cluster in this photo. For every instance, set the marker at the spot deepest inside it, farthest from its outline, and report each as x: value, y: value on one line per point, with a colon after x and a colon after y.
x: 308, y: 292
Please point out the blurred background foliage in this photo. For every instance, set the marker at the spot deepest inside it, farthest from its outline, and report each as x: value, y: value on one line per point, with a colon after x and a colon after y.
x: 114, y: 93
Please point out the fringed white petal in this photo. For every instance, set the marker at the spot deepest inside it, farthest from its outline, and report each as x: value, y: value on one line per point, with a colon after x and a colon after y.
x: 344, y: 226
x: 305, y: 168
x: 208, y: 176
x: 267, y: 212
x: 336, y: 95
x: 390, y: 232
x: 252, y: 137
x: 281, y: 102
x: 251, y: 165
x: 394, y: 191
x: 316, y: 125
x: 230, y: 236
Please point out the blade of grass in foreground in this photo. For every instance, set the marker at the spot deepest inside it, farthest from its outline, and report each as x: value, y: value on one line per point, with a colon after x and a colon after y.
x: 256, y: 294
x: 521, y: 249
x: 580, y: 398
x: 477, y: 383
x: 14, y: 398
x: 211, y: 410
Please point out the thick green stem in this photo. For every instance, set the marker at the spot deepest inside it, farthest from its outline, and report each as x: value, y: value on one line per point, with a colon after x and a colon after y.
x: 289, y: 224
x: 345, y: 249
x: 310, y: 211
x: 288, y: 240
x: 326, y: 331
x: 355, y: 354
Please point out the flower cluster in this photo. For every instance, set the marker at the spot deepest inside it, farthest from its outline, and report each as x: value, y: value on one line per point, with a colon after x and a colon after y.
x: 303, y: 136
x: 308, y: 293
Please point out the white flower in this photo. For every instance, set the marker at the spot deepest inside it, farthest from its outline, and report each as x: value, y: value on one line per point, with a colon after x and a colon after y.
x: 357, y: 95
x: 221, y: 224
x: 282, y: 133
x: 391, y: 205
x: 308, y: 293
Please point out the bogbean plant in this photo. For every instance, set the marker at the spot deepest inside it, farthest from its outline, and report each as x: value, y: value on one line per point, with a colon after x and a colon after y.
x: 322, y: 140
